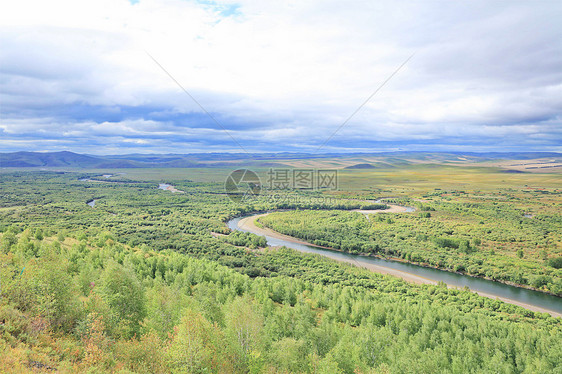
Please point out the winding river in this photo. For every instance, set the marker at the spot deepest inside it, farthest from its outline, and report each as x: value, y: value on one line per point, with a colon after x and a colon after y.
x: 532, y: 300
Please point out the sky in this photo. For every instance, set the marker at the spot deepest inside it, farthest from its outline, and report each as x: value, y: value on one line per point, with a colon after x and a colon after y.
x: 179, y: 76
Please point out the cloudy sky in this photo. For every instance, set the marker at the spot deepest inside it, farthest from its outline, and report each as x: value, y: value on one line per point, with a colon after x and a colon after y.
x: 279, y: 76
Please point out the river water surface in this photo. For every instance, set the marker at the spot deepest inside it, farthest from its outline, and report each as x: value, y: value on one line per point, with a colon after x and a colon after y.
x: 539, y: 300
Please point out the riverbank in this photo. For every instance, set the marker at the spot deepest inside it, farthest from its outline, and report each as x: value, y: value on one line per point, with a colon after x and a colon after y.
x: 391, y: 209
x: 248, y: 224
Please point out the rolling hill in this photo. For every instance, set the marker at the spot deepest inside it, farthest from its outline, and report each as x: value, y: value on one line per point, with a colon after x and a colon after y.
x: 220, y: 160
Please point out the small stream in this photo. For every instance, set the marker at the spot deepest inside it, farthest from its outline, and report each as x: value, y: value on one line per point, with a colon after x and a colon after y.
x: 169, y: 187
x: 409, y: 209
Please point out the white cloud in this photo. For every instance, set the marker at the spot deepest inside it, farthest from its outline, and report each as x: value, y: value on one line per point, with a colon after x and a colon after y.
x: 284, y: 70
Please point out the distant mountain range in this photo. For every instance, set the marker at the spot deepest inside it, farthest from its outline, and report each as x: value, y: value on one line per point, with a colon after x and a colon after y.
x: 75, y: 160
x: 47, y: 159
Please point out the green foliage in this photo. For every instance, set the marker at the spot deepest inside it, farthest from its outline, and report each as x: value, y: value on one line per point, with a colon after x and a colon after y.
x: 44, y: 288
x: 165, y: 305
x: 434, y: 241
x: 555, y: 262
x: 245, y: 239
x: 316, y: 315
x: 182, y: 300
x: 195, y: 346
x: 8, y: 240
x: 124, y: 295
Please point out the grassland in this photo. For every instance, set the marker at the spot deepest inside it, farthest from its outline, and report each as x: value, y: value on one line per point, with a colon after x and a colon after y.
x: 140, y: 284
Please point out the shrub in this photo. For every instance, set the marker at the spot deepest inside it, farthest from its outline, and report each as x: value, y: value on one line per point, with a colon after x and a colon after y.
x: 555, y: 262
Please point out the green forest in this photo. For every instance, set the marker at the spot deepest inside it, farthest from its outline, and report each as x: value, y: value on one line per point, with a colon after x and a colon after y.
x: 149, y: 281
x: 491, y: 240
